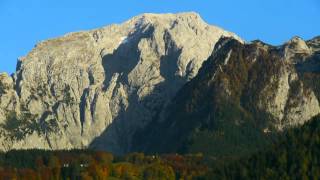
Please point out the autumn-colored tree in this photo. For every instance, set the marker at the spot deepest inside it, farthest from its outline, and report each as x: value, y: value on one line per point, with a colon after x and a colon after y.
x: 7, y: 173
x: 39, y: 162
x: 135, y: 158
x: 125, y: 170
x: 103, y: 158
x: 97, y: 172
x: 86, y: 176
x: 27, y: 174
x: 158, y: 171
x: 45, y: 173
x: 54, y: 165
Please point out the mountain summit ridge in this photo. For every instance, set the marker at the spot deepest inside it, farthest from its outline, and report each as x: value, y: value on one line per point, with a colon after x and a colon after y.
x: 95, y: 88
x: 158, y: 83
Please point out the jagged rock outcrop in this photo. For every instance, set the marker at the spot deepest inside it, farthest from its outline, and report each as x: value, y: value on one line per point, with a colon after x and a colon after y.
x: 242, y: 95
x: 95, y: 88
x: 8, y: 97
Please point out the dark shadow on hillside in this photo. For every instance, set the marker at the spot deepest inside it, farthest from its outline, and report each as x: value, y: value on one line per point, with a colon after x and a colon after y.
x: 117, y: 136
x: 310, y: 65
x: 126, y: 56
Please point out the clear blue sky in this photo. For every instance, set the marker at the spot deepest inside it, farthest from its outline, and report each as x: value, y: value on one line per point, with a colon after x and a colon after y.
x: 25, y: 22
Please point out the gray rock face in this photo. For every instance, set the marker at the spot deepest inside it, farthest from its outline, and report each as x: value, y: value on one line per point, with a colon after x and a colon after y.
x: 95, y: 88
x: 286, y: 95
x: 8, y: 97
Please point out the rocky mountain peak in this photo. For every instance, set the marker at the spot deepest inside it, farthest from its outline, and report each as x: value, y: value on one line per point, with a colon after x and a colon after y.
x: 152, y: 17
x: 95, y: 88
x: 296, y: 50
x: 101, y: 88
x: 168, y: 20
x: 5, y: 80
x: 298, y: 45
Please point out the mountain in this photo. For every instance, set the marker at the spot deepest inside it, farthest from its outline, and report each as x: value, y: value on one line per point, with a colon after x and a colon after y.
x: 242, y: 97
x: 96, y: 88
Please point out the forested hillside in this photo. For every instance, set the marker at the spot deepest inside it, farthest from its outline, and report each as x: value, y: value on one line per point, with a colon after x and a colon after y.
x: 243, y: 96
x: 295, y: 156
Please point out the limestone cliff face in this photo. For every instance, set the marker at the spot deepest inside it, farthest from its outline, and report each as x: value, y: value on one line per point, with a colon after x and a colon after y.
x: 244, y: 91
x: 287, y: 95
x: 95, y: 88
x: 8, y: 97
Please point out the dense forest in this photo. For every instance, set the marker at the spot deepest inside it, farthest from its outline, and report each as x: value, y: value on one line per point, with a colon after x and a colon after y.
x: 296, y: 155
x: 80, y: 164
